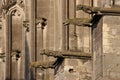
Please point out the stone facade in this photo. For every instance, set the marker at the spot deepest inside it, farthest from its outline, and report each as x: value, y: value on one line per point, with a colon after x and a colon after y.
x: 27, y: 27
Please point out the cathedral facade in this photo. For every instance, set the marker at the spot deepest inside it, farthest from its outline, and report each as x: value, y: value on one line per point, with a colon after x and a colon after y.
x: 59, y: 39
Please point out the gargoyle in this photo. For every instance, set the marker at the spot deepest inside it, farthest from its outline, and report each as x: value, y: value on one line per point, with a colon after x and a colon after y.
x: 99, y: 10
x: 79, y: 21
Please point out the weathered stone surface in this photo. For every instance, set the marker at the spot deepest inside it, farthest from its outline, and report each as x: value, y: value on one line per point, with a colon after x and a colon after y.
x: 79, y: 39
x: 111, y: 47
x: 102, y: 40
x: 97, y: 50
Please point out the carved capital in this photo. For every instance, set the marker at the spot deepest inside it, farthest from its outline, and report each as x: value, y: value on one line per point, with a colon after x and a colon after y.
x: 2, y: 56
x: 16, y: 54
x: 26, y: 25
x: 16, y: 13
x: 41, y: 22
x: 0, y: 25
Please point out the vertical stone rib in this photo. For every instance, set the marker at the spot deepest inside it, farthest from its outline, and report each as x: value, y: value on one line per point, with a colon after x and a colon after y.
x: 67, y: 29
x: 97, y: 46
x: 33, y: 37
x: 64, y: 28
x: 72, y: 28
x: 8, y: 61
x: 16, y: 44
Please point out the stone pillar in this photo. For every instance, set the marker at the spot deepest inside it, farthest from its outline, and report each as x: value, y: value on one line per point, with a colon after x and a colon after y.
x: 7, y: 47
x: 2, y: 69
x: 72, y: 28
x: 32, y: 37
x: 2, y: 64
x: 2, y: 50
x: 43, y: 10
x: 27, y: 42
x: 97, y: 50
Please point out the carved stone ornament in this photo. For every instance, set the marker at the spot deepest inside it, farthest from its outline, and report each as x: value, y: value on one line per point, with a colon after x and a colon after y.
x: 16, y: 13
x: 26, y: 25
x: 42, y: 22
x: 99, y: 10
x: 9, y: 3
x: 0, y: 24
x: 79, y: 21
x: 42, y: 65
x: 16, y: 54
x: 20, y: 3
x: 2, y: 55
x: 67, y: 54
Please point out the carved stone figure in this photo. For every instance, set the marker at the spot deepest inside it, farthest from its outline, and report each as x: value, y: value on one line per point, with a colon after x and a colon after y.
x: 99, y: 10
x: 79, y: 22
x: 67, y: 54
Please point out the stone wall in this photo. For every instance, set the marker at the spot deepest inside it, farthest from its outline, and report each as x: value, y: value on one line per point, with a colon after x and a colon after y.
x: 102, y: 40
x: 111, y: 47
x: 53, y: 36
x: 110, y: 42
x: 79, y: 39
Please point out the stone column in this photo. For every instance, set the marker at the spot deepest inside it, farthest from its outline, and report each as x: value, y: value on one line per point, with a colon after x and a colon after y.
x: 27, y: 42
x: 43, y: 10
x: 72, y: 28
x: 2, y: 50
x: 33, y: 37
x: 7, y: 47
x: 97, y: 50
